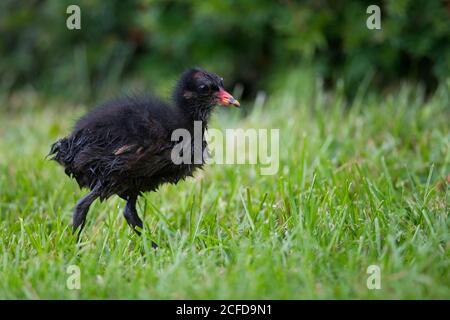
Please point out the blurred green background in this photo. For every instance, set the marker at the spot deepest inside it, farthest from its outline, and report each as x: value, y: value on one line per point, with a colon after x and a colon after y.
x: 364, y: 157
x: 139, y: 44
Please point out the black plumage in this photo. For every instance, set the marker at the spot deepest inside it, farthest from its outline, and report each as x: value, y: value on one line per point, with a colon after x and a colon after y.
x: 124, y: 146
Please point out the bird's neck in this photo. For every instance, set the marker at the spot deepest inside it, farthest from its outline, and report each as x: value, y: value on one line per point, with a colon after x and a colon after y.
x: 200, y: 114
x: 191, y: 110
x: 198, y: 119
x: 196, y: 113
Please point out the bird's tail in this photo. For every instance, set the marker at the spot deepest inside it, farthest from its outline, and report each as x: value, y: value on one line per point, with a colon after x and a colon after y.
x: 64, y: 152
x: 59, y: 151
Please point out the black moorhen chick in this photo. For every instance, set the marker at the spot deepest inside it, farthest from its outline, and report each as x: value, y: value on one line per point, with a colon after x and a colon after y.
x: 124, y: 146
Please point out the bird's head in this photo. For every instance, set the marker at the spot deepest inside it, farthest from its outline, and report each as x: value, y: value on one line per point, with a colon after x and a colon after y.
x: 198, y: 89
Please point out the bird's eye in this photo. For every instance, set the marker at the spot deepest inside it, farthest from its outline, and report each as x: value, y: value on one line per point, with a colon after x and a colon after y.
x: 203, y: 88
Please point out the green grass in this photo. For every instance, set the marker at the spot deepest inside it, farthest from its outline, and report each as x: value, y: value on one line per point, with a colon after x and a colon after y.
x: 358, y: 185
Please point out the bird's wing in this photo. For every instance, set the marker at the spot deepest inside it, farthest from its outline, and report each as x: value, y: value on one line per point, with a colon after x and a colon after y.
x: 128, y: 148
x: 148, y: 137
x: 142, y: 155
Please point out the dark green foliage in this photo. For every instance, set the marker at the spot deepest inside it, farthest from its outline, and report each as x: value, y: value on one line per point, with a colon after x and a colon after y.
x: 245, y: 41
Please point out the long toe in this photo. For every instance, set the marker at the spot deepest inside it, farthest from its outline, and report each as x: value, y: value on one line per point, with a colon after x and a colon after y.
x: 137, y: 231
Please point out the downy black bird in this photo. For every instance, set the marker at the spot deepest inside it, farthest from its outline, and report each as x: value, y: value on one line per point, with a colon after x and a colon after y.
x: 124, y: 147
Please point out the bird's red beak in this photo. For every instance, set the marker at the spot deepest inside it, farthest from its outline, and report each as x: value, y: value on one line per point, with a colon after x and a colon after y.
x: 226, y: 99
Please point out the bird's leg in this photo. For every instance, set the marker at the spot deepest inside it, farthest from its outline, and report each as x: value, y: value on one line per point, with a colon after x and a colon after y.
x: 132, y: 217
x: 81, y: 210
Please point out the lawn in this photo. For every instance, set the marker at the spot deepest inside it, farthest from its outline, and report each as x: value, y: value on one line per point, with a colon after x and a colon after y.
x: 358, y: 185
